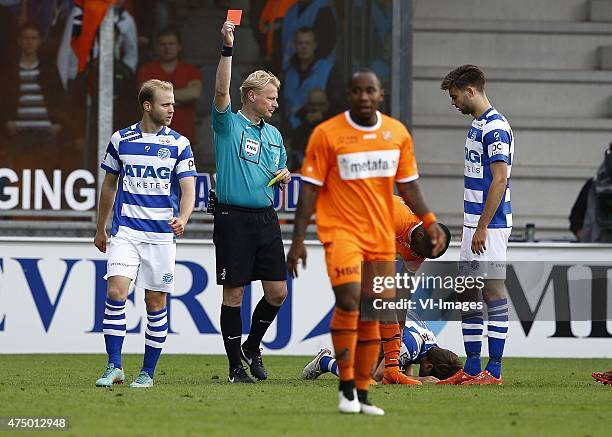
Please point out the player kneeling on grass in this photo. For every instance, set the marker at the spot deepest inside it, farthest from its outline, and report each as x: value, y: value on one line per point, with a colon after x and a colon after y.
x: 418, y: 347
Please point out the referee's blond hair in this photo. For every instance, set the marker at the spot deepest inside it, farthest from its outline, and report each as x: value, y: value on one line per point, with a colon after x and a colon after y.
x: 257, y: 81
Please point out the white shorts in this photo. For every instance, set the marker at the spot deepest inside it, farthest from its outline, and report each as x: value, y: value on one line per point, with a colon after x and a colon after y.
x: 150, y: 265
x: 492, y: 263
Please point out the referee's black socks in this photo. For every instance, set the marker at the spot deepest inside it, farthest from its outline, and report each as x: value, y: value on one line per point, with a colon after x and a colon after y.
x: 263, y: 316
x: 231, y: 329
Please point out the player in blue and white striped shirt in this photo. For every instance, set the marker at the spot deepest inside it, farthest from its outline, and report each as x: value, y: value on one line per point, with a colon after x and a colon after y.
x: 150, y: 177
x: 419, y: 346
x: 487, y: 222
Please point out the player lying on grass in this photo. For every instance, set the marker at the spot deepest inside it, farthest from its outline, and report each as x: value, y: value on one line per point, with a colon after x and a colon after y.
x: 418, y: 347
x: 604, y: 377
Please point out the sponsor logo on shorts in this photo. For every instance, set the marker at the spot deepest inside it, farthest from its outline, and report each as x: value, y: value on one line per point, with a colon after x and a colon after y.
x: 223, y: 274
x: 346, y: 271
x: 163, y: 153
x: 167, y: 278
x: 118, y: 264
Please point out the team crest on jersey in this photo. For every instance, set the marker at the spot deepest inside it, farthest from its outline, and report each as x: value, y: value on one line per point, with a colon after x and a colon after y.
x: 163, y: 153
x: 387, y: 135
x: 167, y: 278
x: 251, y: 147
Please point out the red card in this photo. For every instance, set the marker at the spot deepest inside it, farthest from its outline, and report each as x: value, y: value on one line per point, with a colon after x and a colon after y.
x: 234, y: 15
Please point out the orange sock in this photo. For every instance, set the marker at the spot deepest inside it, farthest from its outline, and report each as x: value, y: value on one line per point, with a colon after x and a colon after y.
x: 366, y: 355
x: 391, y: 342
x: 343, y: 328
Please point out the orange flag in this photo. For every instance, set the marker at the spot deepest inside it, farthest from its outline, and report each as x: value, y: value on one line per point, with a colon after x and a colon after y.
x: 93, y: 14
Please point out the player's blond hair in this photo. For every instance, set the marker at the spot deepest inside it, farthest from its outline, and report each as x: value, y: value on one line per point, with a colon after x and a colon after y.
x: 147, y: 90
x: 257, y: 81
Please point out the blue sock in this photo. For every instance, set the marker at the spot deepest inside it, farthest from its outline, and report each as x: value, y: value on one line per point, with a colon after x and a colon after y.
x: 497, y: 330
x: 328, y: 364
x: 472, y: 327
x: 113, y: 327
x: 155, y: 336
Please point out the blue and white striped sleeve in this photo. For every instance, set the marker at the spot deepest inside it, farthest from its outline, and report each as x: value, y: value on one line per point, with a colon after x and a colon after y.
x: 496, y: 139
x: 185, y: 164
x: 112, y: 162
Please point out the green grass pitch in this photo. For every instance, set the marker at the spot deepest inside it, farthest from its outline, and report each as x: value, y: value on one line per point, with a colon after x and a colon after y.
x: 191, y: 397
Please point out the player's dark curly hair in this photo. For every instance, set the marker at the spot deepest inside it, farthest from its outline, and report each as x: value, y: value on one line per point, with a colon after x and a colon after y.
x: 464, y: 76
x: 445, y: 363
x: 422, y: 245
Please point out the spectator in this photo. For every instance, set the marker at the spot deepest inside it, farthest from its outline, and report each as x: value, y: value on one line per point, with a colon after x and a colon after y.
x: 269, y: 15
x: 316, y: 14
x: 597, y: 224
x: 314, y: 112
x: 305, y: 73
x: 32, y: 94
x: 578, y: 212
x: 185, y: 77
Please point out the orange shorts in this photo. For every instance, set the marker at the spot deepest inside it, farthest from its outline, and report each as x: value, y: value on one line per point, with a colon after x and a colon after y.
x: 344, y: 257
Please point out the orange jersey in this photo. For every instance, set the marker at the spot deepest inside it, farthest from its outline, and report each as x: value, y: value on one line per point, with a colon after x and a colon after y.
x: 356, y: 168
x: 405, y: 222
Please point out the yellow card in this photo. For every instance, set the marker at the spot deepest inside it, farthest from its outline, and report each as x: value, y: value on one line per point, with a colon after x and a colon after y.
x: 275, y: 180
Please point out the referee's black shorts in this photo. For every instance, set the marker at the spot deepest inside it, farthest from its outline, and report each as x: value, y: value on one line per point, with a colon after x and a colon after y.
x: 248, y: 245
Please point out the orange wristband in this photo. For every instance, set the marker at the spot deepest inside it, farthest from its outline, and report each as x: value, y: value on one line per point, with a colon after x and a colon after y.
x: 428, y: 219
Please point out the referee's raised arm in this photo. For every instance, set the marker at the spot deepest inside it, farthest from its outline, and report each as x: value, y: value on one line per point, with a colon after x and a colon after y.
x: 224, y: 70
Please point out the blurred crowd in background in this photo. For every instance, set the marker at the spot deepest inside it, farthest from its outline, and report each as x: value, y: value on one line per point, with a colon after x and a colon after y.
x: 50, y: 107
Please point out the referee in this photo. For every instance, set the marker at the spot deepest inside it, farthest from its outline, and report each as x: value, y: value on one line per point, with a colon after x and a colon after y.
x: 248, y: 243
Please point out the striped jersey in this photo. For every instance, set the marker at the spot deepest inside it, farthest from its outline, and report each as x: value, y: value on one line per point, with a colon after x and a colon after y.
x: 489, y: 139
x: 32, y: 112
x: 149, y: 168
x: 417, y: 339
